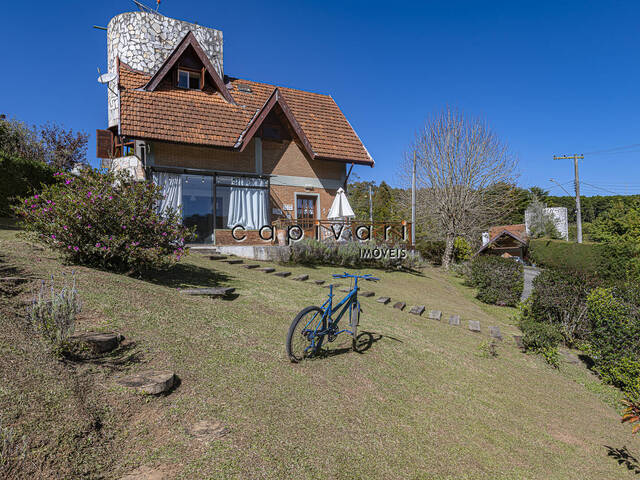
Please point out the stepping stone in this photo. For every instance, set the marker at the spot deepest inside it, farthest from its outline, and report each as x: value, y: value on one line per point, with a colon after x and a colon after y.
x: 212, y: 292
x: 149, y: 382
x: 217, y: 257
x: 250, y: 266
x: 301, y: 278
x: 99, y: 342
x: 519, y: 343
x: 206, y: 431
x: 366, y: 294
x: 319, y: 282
x: 454, y: 320
x: 14, y: 280
x: 334, y: 285
x: 282, y: 274
x: 235, y: 261
x: 435, y: 315
x: 383, y: 300
x: 267, y: 269
x: 417, y: 310
x: 569, y: 357
x: 494, y: 332
x: 474, y: 326
x: 400, y: 305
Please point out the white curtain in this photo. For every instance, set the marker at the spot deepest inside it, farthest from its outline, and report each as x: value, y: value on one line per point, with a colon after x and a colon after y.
x: 171, y: 184
x: 248, y: 206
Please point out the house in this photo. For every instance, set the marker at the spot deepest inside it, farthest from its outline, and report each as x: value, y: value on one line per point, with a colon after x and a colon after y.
x: 226, y: 151
x: 505, y: 240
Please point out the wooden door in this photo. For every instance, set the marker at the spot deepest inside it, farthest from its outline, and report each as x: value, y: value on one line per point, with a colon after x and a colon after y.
x: 306, y: 211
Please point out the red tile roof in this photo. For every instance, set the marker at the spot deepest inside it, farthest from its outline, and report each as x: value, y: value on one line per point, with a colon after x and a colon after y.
x: 206, y: 118
x: 519, y: 230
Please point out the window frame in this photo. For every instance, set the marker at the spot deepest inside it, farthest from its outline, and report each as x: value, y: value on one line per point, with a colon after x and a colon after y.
x: 189, y: 73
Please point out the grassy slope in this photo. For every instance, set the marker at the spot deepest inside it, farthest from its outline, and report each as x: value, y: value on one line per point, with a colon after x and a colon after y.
x: 420, y: 403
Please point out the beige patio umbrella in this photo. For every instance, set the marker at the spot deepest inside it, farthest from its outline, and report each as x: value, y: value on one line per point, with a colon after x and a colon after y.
x: 340, y: 209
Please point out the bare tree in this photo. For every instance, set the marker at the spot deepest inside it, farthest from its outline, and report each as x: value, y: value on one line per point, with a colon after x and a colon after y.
x: 465, y: 176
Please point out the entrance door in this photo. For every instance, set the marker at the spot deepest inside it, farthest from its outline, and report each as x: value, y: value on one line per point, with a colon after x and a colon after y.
x: 197, y: 205
x: 306, y: 210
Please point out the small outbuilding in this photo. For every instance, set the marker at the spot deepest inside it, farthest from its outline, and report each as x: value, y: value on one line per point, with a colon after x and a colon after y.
x: 511, y: 240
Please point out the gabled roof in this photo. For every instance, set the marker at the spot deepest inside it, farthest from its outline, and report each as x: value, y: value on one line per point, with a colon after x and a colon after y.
x: 189, y: 40
x: 206, y: 118
x: 275, y: 100
x: 502, y: 234
x: 518, y: 229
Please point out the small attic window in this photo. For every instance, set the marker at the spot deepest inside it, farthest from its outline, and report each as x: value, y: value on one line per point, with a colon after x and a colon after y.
x: 187, y: 79
x: 244, y: 87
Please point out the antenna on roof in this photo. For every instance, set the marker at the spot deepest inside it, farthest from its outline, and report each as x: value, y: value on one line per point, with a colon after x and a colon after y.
x: 145, y: 8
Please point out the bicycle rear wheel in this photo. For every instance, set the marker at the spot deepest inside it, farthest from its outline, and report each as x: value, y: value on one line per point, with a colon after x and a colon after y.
x: 300, y: 335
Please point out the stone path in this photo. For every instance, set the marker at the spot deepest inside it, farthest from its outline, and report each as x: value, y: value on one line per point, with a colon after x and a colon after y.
x: 383, y: 300
x: 211, y: 292
x: 149, y: 382
x: 99, y: 342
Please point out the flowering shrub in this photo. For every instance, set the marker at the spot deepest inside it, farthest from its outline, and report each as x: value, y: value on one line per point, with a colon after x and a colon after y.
x: 106, y: 220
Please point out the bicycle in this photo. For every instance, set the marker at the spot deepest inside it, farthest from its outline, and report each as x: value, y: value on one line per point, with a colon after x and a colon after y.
x: 310, y: 327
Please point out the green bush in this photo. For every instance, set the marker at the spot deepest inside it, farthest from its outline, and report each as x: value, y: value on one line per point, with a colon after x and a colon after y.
x: 499, y: 280
x: 461, y: 250
x: 20, y: 177
x: 431, y: 250
x: 350, y: 254
x: 615, y: 325
x: 538, y: 336
x: 606, y: 260
x: 559, y: 298
x: 106, y: 220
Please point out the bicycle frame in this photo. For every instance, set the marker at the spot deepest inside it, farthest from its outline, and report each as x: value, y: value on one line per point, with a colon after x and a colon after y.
x: 328, y: 310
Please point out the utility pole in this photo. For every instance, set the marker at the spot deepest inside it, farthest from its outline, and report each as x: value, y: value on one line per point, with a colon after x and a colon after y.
x: 413, y: 203
x: 575, y: 159
x: 370, y: 205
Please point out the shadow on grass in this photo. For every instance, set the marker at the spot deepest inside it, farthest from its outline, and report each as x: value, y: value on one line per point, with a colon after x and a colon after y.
x: 123, y: 357
x: 624, y: 458
x: 185, y: 275
x: 364, y: 342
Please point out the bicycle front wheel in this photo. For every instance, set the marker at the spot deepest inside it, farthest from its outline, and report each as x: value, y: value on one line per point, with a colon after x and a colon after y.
x: 301, y: 340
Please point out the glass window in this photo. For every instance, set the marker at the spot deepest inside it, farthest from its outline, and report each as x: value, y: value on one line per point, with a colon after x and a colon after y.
x: 189, y: 80
x: 197, y: 205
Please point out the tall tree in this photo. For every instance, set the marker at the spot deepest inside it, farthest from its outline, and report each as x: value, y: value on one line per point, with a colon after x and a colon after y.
x: 384, y: 204
x: 63, y: 148
x: 460, y: 162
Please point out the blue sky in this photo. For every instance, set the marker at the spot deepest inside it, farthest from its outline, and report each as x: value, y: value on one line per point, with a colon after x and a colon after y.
x: 551, y: 77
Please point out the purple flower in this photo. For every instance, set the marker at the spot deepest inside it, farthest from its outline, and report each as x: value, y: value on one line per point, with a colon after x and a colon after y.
x: 123, y: 227
x: 76, y: 248
x: 53, y: 236
x: 67, y: 181
x: 65, y: 227
x: 35, y: 196
x: 98, y: 244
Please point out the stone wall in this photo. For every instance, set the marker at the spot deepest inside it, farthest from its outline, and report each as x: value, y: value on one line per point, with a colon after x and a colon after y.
x: 143, y: 40
x: 560, y: 219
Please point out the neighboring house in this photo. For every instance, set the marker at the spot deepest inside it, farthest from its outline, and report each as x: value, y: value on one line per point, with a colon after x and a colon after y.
x: 226, y: 151
x: 505, y: 240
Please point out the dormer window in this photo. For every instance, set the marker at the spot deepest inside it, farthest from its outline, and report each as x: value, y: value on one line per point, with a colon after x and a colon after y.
x: 188, y: 79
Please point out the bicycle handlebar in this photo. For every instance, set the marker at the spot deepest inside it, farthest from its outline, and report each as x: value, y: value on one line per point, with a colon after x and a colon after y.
x: 366, y: 276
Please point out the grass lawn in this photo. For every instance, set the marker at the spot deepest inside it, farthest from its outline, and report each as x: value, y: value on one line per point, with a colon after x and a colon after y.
x: 420, y: 403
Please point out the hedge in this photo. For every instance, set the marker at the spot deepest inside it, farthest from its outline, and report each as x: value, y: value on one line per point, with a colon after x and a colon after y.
x: 606, y: 260
x: 499, y: 280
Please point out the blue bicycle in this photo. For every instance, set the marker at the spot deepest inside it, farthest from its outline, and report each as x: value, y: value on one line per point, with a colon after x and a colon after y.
x: 310, y: 327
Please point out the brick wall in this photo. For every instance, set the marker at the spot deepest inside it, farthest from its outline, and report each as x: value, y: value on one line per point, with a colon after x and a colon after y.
x: 286, y: 158
x: 207, y: 158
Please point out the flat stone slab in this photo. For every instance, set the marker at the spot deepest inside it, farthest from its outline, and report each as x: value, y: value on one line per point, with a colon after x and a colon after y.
x: 301, y: 278
x: 494, y: 332
x: 569, y: 357
x: 149, y: 382
x: 14, y: 280
x: 251, y: 265
x: 334, y: 285
x: 282, y: 274
x: 399, y: 305
x: 417, y: 310
x: 212, y: 292
x: 454, y: 320
x: 519, y: 342
x: 319, y: 282
x: 267, y: 269
x: 217, y: 257
x: 383, y: 300
x: 366, y: 294
x: 99, y: 342
x: 206, y: 430
x: 474, y: 326
x: 435, y: 315
x: 235, y: 261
